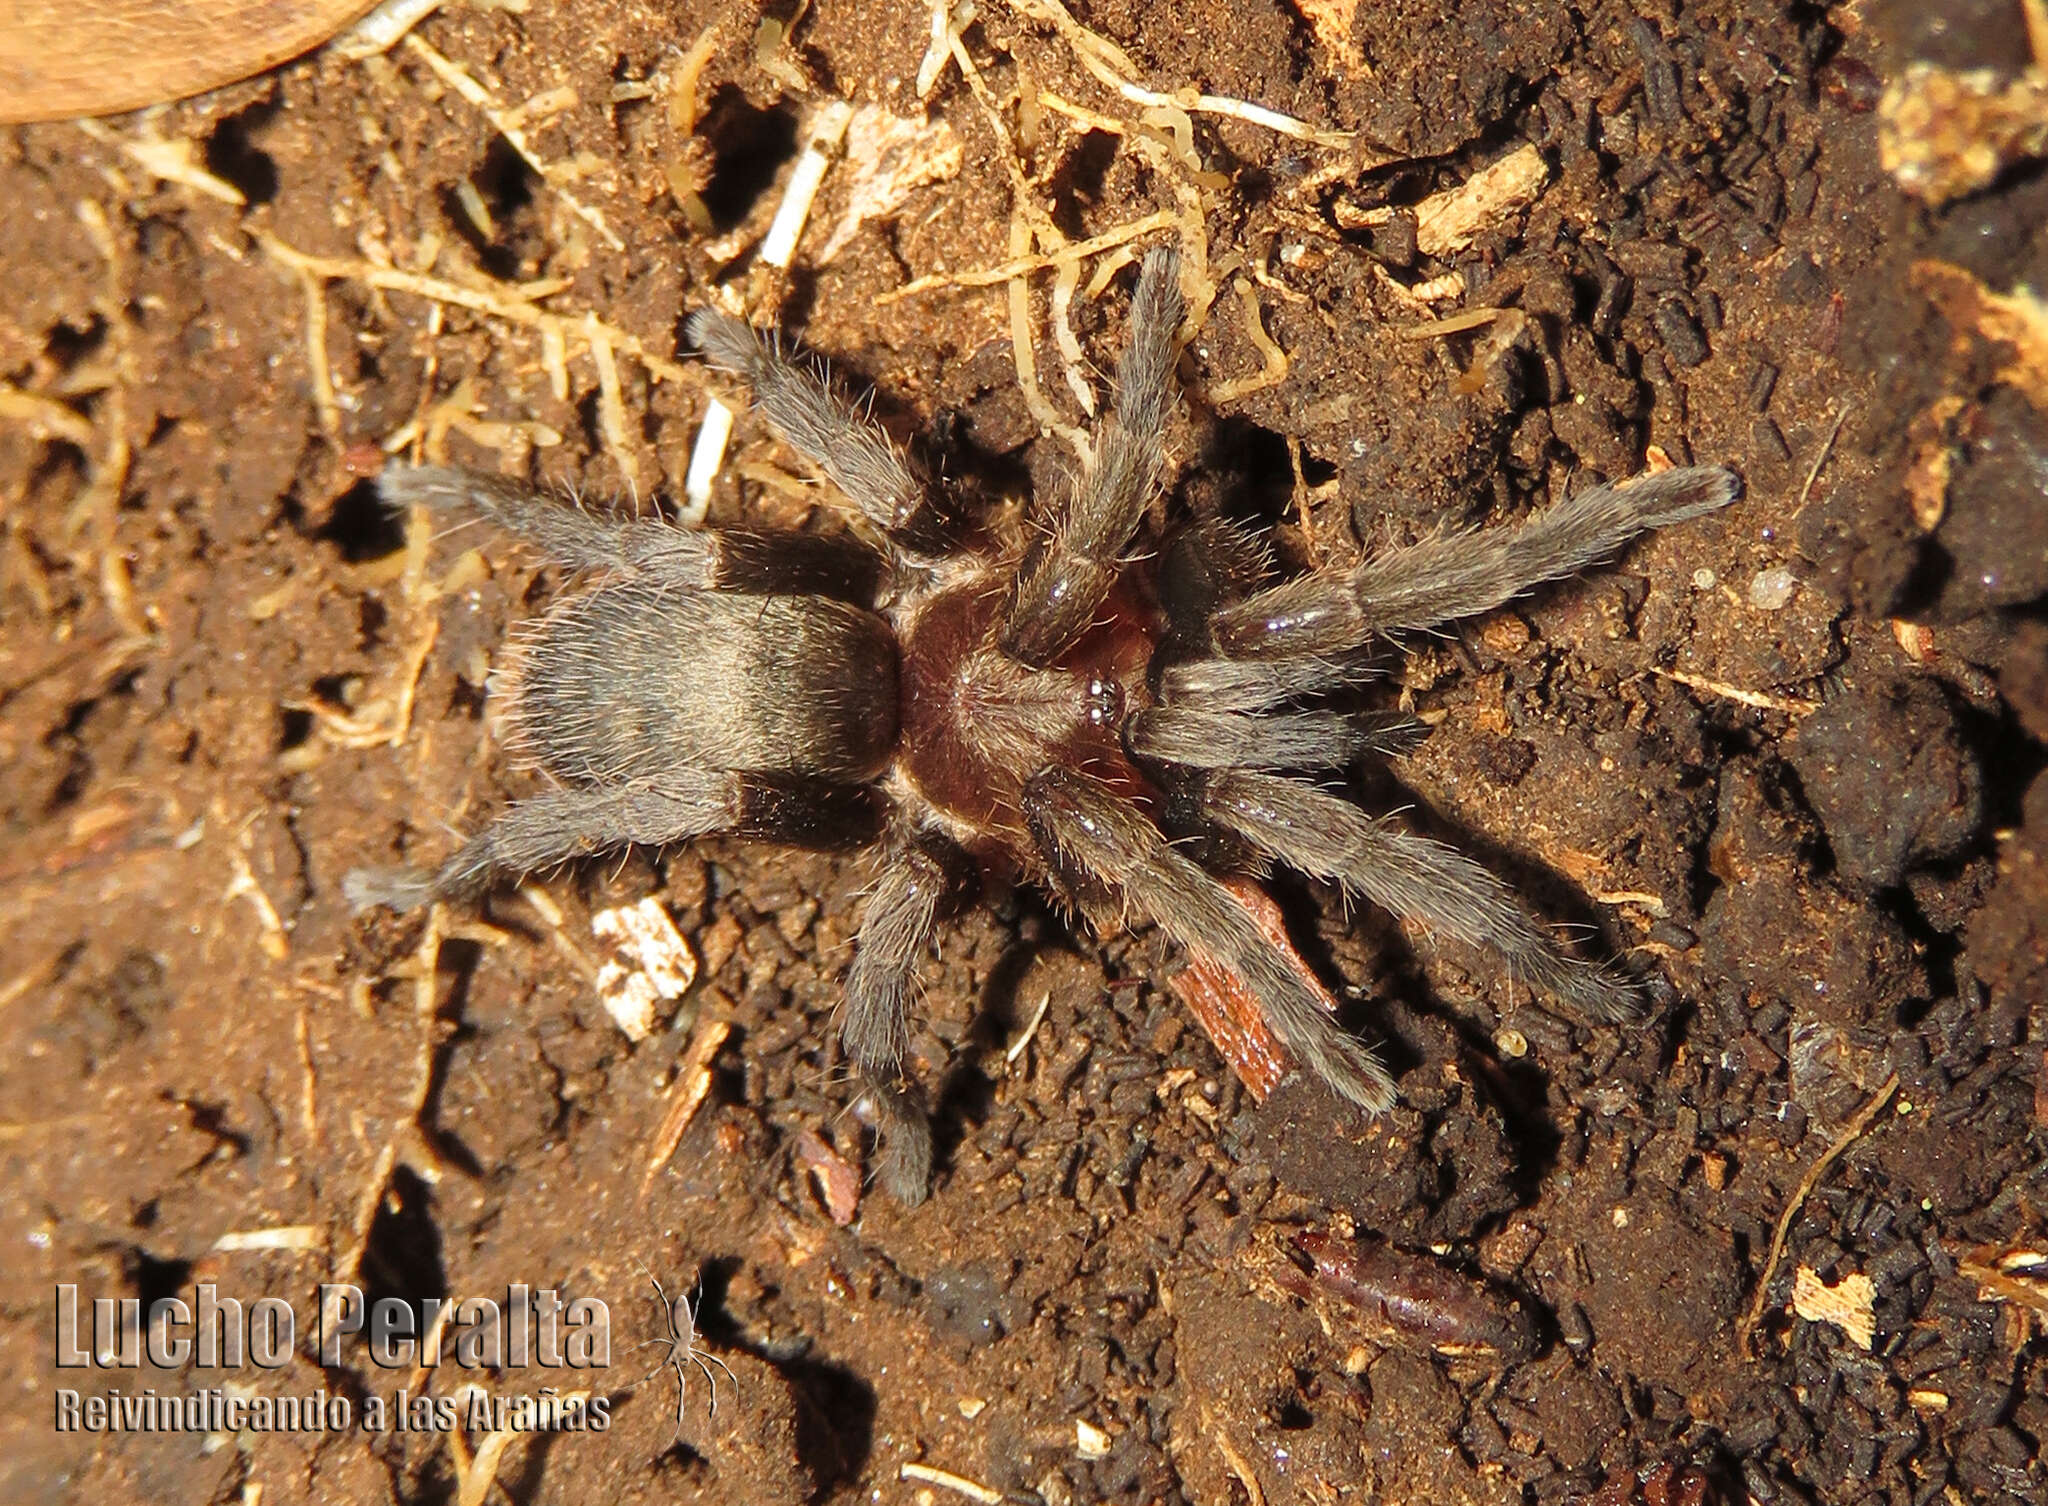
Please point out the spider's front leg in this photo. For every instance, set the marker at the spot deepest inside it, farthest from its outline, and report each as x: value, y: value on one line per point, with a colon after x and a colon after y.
x: 1067, y: 577
x: 1334, y: 611
x: 1094, y: 839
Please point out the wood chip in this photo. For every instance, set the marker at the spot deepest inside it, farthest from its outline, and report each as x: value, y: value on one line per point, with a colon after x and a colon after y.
x: 838, y: 1183
x: 2019, y: 320
x: 945, y: 1479
x: 284, y: 1237
x: 887, y: 158
x: 1945, y: 132
x: 653, y: 966
x: 1229, y: 1013
x: 1847, y: 1304
x: 686, y: 1096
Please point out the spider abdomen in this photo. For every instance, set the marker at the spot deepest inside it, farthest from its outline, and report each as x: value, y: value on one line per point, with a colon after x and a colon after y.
x: 977, y: 723
x: 633, y: 679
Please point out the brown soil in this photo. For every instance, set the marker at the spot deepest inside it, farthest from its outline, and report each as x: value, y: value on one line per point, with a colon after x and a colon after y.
x: 1789, y: 760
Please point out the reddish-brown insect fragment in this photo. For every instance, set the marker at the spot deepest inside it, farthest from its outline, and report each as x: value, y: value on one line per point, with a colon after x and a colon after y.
x: 1409, y: 1300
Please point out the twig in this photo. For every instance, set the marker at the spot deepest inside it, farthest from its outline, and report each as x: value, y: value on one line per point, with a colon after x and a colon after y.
x: 281, y: 1237
x: 316, y: 356
x: 1850, y: 1134
x: 1827, y: 448
x: 309, y: 1081
x: 1790, y: 705
x: 1018, y: 1047
x: 456, y: 77
x: 46, y: 417
x: 1021, y: 266
x: 514, y: 306
x: 692, y: 1084
x: 827, y: 131
x: 946, y: 1480
x: 1274, y: 370
x: 99, y: 502
x: 1112, y: 68
x: 1240, y: 1467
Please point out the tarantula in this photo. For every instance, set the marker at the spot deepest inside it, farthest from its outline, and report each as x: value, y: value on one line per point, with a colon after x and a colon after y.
x: 1118, y: 726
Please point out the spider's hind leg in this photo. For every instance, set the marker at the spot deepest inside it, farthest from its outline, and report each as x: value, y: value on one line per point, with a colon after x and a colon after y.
x: 550, y: 829
x: 896, y: 932
x: 741, y: 560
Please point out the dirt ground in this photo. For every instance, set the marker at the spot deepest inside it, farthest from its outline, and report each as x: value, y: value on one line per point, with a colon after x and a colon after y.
x: 1787, y: 761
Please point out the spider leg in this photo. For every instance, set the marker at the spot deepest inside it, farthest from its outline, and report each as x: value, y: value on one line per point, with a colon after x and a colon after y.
x: 1201, y: 738
x: 1259, y: 684
x: 568, y: 823
x: 1410, y: 875
x: 1336, y: 610
x: 896, y: 932
x: 1065, y: 580
x: 837, y: 435
x: 739, y: 560
x: 698, y: 1357
x: 1092, y: 837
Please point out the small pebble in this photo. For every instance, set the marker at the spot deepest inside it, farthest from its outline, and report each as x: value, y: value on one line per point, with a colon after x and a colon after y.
x: 1771, y: 590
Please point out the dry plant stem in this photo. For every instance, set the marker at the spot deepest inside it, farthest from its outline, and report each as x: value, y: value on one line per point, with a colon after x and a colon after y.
x: 1023, y: 266
x: 2030, y: 1294
x: 1755, y: 699
x: 1851, y: 1133
x: 1113, y: 68
x: 456, y: 77
x: 99, y: 502
x: 1820, y: 459
x: 1028, y: 221
x: 46, y: 417
x: 1240, y: 1467
x: 1274, y: 369
x: 507, y: 305
x: 960, y: 1485
x: 368, y: 1200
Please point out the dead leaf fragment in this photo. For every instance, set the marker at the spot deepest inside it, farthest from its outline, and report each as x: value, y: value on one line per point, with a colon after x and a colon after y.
x: 887, y: 157
x: 1448, y: 222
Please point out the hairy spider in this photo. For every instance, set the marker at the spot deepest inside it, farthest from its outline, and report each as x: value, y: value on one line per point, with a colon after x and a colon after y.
x: 1118, y: 726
